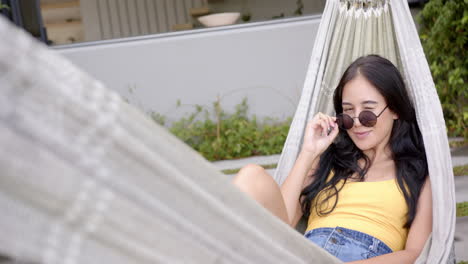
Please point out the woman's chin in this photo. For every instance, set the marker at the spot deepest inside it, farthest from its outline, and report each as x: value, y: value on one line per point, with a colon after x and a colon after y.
x: 364, y: 144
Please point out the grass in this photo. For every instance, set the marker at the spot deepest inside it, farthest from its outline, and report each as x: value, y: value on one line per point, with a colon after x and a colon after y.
x: 234, y: 171
x: 462, y: 209
x: 458, y: 144
x: 460, y: 171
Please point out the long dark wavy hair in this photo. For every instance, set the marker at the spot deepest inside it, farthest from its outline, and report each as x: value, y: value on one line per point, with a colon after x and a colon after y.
x: 405, y: 142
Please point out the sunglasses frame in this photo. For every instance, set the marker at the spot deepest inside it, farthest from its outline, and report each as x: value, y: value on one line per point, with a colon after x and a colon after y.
x: 359, y: 117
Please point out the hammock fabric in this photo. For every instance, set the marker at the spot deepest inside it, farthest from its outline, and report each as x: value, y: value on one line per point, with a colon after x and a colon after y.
x: 348, y: 30
x: 88, y: 179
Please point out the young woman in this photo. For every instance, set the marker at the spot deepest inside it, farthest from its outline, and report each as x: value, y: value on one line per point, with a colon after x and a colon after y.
x: 361, y: 177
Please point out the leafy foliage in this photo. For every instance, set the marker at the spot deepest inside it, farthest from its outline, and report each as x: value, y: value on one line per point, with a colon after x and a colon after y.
x: 444, y: 36
x: 460, y: 170
x: 158, y: 118
x: 229, y: 136
x: 462, y: 209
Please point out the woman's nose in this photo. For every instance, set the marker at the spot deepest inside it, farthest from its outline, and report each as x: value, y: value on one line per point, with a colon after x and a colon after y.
x: 356, y: 122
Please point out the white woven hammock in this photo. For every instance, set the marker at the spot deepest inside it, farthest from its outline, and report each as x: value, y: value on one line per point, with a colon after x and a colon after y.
x: 348, y: 30
x: 85, y: 178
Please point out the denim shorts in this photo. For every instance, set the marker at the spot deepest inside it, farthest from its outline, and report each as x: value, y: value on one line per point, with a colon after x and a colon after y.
x: 347, y: 244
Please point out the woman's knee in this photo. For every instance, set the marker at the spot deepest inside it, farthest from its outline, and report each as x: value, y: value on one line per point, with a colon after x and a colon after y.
x: 261, y: 186
x: 251, y: 169
x: 250, y: 174
x: 254, y: 177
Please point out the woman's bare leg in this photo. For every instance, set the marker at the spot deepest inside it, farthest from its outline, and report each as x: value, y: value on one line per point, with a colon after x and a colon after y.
x: 257, y: 183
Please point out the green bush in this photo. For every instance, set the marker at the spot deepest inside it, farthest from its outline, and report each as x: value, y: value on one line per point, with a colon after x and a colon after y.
x: 462, y: 209
x: 444, y: 36
x: 460, y: 170
x: 229, y: 136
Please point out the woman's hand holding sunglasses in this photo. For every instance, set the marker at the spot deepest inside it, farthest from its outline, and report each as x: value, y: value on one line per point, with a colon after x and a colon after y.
x: 320, y: 133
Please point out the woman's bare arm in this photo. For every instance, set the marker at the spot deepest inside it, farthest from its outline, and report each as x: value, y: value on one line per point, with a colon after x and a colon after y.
x: 292, y: 186
x: 319, y: 134
x: 307, y: 181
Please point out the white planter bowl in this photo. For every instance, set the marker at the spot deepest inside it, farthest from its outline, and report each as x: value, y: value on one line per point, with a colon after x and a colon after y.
x: 219, y: 19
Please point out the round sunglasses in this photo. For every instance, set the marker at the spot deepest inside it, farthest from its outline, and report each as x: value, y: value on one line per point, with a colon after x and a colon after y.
x: 366, y: 118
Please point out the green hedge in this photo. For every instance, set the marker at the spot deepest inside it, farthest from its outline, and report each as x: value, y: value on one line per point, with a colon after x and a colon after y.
x: 444, y: 36
x: 225, y: 135
x: 462, y: 209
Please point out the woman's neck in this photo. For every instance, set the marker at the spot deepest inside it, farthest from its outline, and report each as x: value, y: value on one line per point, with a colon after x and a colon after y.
x: 382, y: 166
x: 380, y: 153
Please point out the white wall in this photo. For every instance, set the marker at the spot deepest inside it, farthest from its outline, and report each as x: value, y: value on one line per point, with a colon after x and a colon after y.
x: 265, y: 61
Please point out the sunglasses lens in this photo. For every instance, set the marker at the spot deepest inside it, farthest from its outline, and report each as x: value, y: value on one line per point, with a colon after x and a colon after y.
x: 367, y: 118
x: 345, y: 121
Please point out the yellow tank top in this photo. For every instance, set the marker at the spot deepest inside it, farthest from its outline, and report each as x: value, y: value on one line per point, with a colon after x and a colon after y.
x: 375, y: 208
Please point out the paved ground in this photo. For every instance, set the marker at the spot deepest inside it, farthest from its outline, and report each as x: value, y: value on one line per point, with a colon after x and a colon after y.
x: 461, y: 189
x: 461, y: 239
x: 459, y: 157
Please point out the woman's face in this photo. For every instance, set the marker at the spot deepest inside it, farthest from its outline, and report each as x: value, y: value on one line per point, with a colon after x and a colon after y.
x: 359, y: 95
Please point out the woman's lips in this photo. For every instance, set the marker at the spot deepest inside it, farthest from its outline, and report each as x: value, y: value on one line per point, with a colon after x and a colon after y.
x: 361, y: 135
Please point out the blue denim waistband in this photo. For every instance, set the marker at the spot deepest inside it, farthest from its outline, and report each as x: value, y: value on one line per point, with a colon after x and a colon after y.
x: 350, y: 233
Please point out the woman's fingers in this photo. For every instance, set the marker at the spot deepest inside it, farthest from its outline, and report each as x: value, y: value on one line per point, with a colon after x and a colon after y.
x: 324, y: 116
x: 334, y: 130
x: 329, y: 120
x: 325, y: 126
x: 321, y: 130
